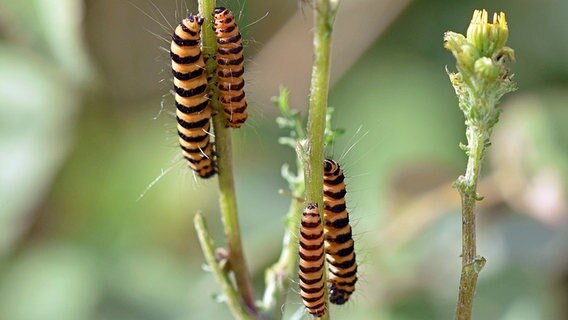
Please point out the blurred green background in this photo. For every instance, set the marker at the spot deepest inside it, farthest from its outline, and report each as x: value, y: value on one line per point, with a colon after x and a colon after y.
x: 83, y: 134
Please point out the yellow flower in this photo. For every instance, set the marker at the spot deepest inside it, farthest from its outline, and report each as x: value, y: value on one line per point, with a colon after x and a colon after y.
x: 487, y: 37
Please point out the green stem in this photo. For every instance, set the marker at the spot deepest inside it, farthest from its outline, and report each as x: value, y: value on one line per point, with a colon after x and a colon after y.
x: 278, y: 275
x: 324, y: 15
x: 208, y: 247
x: 223, y: 149
x: 467, y: 185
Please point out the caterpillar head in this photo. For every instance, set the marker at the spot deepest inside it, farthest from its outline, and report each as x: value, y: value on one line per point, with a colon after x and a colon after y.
x: 219, y: 10
x: 337, y: 295
x: 195, y: 18
x: 329, y: 165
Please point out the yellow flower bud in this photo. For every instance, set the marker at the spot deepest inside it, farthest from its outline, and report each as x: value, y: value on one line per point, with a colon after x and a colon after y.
x: 487, y: 37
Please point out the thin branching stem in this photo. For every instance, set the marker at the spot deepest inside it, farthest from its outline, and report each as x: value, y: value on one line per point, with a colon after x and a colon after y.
x: 223, y: 145
x: 208, y: 246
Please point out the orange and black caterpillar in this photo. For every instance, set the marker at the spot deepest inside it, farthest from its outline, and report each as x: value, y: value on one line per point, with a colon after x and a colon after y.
x: 230, y: 68
x: 312, y: 286
x: 339, y: 244
x: 193, y: 112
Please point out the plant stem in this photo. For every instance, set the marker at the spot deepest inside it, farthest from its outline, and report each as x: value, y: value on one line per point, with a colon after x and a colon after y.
x: 324, y: 15
x: 467, y: 185
x: 278, y: 275
x: 223, y: 150
x: 208, y: 247
x: 318, y: 101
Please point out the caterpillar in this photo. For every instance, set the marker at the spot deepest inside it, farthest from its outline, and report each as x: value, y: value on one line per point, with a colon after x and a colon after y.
x: 193, y: 112
x: 230, y: 68
x: 339, y: 244
x: 311, y: 253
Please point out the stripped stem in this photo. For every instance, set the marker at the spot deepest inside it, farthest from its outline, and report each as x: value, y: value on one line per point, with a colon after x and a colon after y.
x: 223, y: 148
x: 471, y: 263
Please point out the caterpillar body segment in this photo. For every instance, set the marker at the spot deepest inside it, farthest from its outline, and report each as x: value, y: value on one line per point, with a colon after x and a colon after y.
x: 339, y: 244
x: 193, y: 112
x: 230, y: 67
x: 312, y: 286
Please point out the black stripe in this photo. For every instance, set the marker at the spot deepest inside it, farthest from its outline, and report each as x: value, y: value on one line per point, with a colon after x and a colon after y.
x: 311, y: 258
x: 230, y: 110
x: 208, y: 174
x: 338, y: 224
x: 342, y: 253
x: 342, y: 238
x: 314, y: 299
x: 307, y: 270
x: 188, y: 93
x: 228, y: 40
x: 310, y: 225
x: 189, y: 110
x: 338, y: 208
x: 311, y: 247
x: 231, y: 87
x: 233, y: 50
x: 342, y: 265
x: 311, y: 236
x: 238, y: 98
x: 188, y: 76
x: 334, y: 182
x: 239, y: 121
x: 345, y: 276
x: 230, y: 62
x: 194, y: 139
x: 227, y: 29
x: 315, y: 310
x: 184, y: 60
x: 192, y: 125
x: 227, y: 73
x: 196, y: 161
x: 187, y: 30
x: 311, y: 290
x: 193, y: 151
x: 184, y: 42
x: 310, y: 281
x: 335, y: 195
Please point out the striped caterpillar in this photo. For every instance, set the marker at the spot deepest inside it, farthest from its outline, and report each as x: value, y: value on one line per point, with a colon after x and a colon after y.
x: 193, y: 112
x: 230, y: 68
x: 339, y: 244
x: 311, y: 253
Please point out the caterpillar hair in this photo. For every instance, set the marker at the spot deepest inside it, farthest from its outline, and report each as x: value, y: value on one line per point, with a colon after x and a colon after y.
x: 311, y: 252
x: 230, y: 68
x: 193, y: 112
x: 339, y: 244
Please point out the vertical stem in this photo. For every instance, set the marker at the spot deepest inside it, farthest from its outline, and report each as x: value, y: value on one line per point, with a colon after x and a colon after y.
x: 324, y: 14
x: 471, y: 263
x: 223, y: 149
x: 318, y: 102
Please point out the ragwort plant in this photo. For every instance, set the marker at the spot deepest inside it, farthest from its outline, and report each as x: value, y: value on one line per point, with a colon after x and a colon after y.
x: 480, y: 81
x: 482, y: 78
